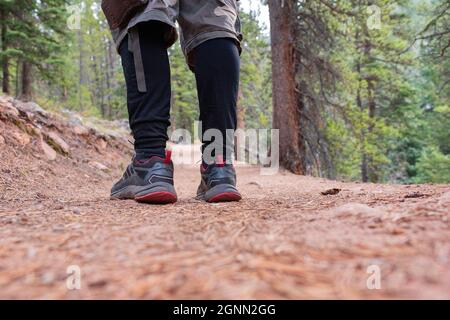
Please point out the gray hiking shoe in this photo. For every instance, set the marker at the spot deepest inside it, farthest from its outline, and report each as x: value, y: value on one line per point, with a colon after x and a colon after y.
x: 149, y: 181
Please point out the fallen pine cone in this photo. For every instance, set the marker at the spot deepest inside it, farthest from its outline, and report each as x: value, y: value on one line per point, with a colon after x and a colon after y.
x: 331, y: 192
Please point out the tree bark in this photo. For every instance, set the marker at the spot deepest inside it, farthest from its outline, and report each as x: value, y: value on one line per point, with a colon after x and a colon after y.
x: 286, y: 115
x: 364, y: 164
x: 371, y: 170
x: 5, y: 61
x: 367, y: 162
x: 82, y: 77
x: 109, y: 75
x: 26, y: 92
x: 240, y: 112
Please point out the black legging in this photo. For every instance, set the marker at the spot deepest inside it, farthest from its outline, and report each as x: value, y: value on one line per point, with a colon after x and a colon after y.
x: 216, y: 66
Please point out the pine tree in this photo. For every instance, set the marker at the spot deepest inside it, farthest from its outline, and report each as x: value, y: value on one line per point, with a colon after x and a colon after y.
x: 32, y: 36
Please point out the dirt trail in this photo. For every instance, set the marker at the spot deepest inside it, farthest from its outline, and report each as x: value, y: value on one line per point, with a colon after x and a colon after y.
x: 285, y: 240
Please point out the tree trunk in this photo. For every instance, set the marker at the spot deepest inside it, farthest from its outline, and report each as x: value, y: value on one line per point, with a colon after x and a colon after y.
x: 370, y: 174
x: 97, y: 91
x: 82, y: 75
x: 364, y: 164
x: 372, y: 171
x: 240, y: 112
x: 17, y: 84
x: 109, y: 55
x: 26, y: 81
x: 5, y: 61
x: 286, y: 115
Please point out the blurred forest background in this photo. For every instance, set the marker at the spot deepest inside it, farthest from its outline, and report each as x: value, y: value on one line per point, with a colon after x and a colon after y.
x: 359, y: 89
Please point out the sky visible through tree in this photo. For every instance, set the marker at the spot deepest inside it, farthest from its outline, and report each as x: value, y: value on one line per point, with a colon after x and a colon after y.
x: 252, y: 5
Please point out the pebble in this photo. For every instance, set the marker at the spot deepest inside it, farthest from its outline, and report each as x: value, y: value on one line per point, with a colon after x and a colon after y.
x: 31, y: 252
x: 47, y: 278
x: 58, y: 227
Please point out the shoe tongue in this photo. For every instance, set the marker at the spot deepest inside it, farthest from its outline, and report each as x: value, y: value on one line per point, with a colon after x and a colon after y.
x: 219, y: 161
x: 150, y: 160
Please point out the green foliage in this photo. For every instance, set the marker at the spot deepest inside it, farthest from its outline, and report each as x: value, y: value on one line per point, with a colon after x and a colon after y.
x: 387, y: 110
x: 256, y: 87
x: 432, y: 166
x: 345, y: 150
x: 35, y: 33
x: 185, y: 110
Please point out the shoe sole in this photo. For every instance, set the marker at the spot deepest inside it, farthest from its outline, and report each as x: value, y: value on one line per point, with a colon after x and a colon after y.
x: 225, y: 197
x: 161, y: 197
x: 159, y: 193
x: 221, y: 193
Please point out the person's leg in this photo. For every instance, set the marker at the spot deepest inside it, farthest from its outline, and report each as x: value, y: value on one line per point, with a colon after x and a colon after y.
x: 149, y: 111
x: 149, y: 178
x: 210, y: 39
x: 216, y: 66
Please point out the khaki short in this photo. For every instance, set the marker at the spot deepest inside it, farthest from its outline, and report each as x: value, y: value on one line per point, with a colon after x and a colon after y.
x: 199, y: 21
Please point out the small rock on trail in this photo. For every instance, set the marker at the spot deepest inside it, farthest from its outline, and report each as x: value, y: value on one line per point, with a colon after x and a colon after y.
x: 20, y: 137
x: 58, y: 143
x: 99, y: 166
x: 357, y: 210
x: 48, y: 151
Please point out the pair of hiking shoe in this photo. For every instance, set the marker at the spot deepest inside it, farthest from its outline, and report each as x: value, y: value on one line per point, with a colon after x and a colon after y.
x: 151, y: 181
